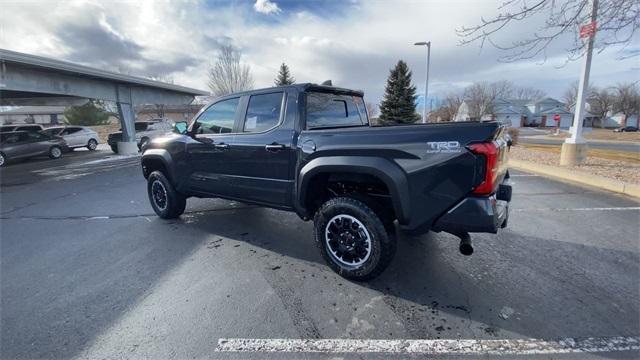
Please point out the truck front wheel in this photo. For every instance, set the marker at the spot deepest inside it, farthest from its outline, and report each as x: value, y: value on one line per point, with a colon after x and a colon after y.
x: 352, y: 239
x: 165, y: 200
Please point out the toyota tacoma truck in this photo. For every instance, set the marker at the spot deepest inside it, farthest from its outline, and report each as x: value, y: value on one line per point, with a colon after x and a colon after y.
x: 310, y: 149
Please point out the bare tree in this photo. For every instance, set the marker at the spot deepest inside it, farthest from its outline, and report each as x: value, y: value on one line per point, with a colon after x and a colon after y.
x: 450, y: 106
x: 601, y: 103
x: 569, y: 96
x: 229, y: 74
x: 371, y: 109
x: 528, y: 93
x: 618, y: 21
x: 480, y: 96
x: 627, y: 100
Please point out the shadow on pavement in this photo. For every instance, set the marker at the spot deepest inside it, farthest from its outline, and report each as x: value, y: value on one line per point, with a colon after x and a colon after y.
x: 513, y: 286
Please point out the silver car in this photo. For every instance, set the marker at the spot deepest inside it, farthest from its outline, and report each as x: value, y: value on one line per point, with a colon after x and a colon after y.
x: 75, y: 136
x: 25, y: 144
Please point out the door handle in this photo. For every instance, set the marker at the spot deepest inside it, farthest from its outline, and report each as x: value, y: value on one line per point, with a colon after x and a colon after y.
x: 274, y: 147
x: 222, y: 146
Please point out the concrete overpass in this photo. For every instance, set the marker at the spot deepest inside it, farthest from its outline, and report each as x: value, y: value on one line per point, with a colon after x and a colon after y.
x: 35, y: 80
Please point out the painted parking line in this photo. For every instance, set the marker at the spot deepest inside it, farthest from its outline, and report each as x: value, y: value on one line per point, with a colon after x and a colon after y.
x: 628, y: 208
x: 434, y: 347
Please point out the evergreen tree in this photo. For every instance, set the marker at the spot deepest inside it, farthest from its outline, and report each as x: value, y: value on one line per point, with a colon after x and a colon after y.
x: 399, y: 103
x: 88, y: 114
x: 284, y: 76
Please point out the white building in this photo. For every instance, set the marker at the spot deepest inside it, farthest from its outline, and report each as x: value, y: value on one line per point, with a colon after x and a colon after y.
x: 517, y: 113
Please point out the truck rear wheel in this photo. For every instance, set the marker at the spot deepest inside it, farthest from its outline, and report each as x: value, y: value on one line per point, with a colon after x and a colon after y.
x: 353, y: 239
x: 165, y: 200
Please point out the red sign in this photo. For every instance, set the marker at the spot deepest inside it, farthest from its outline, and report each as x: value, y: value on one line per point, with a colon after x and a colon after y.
x: 588, y: 30
x: 556, y: 117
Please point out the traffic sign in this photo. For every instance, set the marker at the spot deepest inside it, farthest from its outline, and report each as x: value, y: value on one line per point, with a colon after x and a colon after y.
x: 588, y: 30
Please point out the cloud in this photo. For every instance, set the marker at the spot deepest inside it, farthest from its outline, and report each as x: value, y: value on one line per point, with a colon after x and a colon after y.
x: 217, y: 41
x: 266, y: 7
x: 354, y: 45
x: 99, y: 44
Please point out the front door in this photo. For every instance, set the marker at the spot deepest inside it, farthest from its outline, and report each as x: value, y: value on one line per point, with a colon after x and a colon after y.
x: 37, y: 143
x: 261, y: 152
x: 209, y: 154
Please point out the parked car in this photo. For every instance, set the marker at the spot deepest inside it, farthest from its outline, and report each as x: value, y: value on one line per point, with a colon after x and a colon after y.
x: 310, y: 149
x: 28, y: 127
x: 75, y: 136
x: 145, y: 132
x: 16, y: 145
x: 626, y: 129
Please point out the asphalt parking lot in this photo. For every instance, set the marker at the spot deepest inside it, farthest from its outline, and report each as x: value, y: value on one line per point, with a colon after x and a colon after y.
x: 88, y: 271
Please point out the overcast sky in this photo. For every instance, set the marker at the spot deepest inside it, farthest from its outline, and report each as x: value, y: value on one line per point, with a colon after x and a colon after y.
x: 353, y: 43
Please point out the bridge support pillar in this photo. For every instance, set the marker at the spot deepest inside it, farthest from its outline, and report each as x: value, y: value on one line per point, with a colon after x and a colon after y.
x: 127, y: 115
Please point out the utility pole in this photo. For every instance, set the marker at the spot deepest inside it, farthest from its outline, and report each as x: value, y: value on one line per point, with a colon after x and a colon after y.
x: 426, y: 83
x: 574, y: 149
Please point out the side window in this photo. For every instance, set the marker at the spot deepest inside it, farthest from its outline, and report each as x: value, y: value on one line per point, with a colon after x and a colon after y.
x: 34, y: 136
x: 362, y: 109
x: 141, y: 126
x: 218, y: 118
x: 331, y: 110
x: 74, y: 130
x: 10, y: 138
x: 263, y: 112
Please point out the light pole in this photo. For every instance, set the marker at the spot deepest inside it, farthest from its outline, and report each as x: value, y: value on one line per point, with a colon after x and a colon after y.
x: 574, y: 149
x: 426, y: 83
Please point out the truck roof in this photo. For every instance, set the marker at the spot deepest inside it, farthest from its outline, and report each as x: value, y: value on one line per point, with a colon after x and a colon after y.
x: 303, y: 87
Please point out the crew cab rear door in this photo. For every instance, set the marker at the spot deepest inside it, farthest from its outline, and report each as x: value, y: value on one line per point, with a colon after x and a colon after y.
x: 261, y: 151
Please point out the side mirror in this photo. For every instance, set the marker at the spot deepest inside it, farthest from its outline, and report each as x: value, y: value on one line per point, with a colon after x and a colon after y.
x: 180, y: 127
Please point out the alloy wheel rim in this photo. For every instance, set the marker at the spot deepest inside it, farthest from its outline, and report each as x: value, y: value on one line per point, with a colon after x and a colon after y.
x: 92, y: 144
x: 1, y: 159
x: 159, y: 194
x: 348, y: 240
x: 55, y: 152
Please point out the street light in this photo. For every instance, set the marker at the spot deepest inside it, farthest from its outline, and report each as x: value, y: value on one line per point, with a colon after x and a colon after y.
x: 426, y: 83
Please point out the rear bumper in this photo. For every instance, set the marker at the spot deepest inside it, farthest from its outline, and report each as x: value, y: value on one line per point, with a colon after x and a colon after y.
x: 477, y: 214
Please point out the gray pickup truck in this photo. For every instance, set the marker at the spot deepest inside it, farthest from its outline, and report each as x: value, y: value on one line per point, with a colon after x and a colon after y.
x: 310, y: 149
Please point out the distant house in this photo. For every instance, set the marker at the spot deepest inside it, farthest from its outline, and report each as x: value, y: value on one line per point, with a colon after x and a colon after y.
x: 517, y: 113
x: 33, y: 115
x: 618, y: 120
x: 612, y: 120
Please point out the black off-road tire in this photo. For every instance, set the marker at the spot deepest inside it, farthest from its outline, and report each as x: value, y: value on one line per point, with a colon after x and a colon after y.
x: 55, y: 152
x: 114, y: 148
x: 175, y: 202
x: 383, y: 242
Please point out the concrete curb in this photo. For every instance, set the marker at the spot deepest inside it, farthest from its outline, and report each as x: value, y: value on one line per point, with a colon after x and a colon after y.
x: 600, y: 141
x: 581, y: 178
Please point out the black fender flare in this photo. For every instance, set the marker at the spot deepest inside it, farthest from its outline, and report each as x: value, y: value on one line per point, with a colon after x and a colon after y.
x: 162, y: 155
x: 388, y: 172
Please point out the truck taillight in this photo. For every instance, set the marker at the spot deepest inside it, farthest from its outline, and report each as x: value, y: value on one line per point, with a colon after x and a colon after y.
x: 490, y: 152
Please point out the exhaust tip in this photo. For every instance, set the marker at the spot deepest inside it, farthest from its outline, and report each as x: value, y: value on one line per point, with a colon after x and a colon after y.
x: 466, y: 249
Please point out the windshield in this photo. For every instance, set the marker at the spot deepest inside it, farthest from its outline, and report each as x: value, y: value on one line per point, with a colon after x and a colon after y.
x: 327, y: 110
